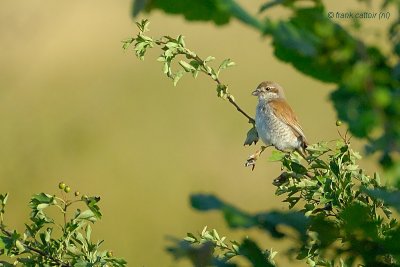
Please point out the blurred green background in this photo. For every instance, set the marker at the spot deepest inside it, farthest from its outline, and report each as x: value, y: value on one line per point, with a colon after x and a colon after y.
x: 75, y: 107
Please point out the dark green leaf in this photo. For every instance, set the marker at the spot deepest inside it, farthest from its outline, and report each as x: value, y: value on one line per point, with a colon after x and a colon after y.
x: 252, y: 137
x: 271, y: 220
x: 254, y: 254
x: 197, y: 10
x: 91, y: 203
x: 205, y: 202
x: 222, y: 91
x: 42, y: 198
x: 270, y: 4
x: 298, y: 168
x: 334, y: 167
x: 391, y: 198
x: 138, y: 5
x: 327, y: 230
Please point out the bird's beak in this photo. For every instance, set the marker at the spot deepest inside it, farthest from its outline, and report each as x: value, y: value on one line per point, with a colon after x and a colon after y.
x: 255, y: 92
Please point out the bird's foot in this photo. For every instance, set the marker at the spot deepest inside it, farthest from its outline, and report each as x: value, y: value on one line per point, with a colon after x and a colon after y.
x: 251, y: 160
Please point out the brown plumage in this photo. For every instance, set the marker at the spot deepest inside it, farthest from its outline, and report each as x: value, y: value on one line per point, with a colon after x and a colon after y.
x: 276, y: 123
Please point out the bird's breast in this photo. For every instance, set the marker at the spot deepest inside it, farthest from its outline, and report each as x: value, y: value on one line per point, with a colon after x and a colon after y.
x: 264, y: 122
x: 272, y: 130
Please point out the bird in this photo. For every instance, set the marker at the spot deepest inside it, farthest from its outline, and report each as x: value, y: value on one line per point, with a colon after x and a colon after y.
x: 275, y: 121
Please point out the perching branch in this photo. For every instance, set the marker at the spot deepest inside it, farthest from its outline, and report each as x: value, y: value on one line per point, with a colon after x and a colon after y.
x: 174, y: 47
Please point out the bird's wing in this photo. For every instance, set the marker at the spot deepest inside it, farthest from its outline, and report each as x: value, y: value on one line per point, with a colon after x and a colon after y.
x: 284, y: 112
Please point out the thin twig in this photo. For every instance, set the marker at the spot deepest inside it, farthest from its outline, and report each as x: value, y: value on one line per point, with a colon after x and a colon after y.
x: 201, y: 61
x: 230, y: 98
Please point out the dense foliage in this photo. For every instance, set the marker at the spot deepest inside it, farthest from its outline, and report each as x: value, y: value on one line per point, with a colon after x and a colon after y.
x: 344, y: 217
x: 47, y: 241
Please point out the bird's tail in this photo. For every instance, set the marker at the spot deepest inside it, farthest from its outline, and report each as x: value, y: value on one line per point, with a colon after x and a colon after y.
x: 302, y: 149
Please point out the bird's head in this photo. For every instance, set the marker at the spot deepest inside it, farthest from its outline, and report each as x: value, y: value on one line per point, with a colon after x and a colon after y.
x: 269, y: 90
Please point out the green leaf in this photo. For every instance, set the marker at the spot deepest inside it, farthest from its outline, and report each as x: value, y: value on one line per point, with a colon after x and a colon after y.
x: 205, y: 202
x: 79, y: 238
x: 42, y: 206
x: 391, y: 198
x: 334, y: 168
x: 20, y: 246
x: 225, y: 64
x: 276, y: 155
x: 88, y: 231
x: 7, y: 264
x: 127, y: 43
x: 166, y: 68
x: 250, y: 250
x: 178, y: 76
x: 138, y: 6
x: 209, y: 58
x: 222, y: 91
x: 186, y: 66
x: 172, y: 45
x: 91, y: 203
x: 298, y: 168
x: 197, y: 10
x: 82, y: 263
x: 270, y: 4
x: 181, y: 40
x: 296, y: 220
x: 3, y: 199
x: 42, y: 198
x: 2, y: 243
x: 88, y: 215
x: 143, y: 25
x: 161, y: 59
x: 327, y: 231
x: 237, y: 218
x: 251, y: 137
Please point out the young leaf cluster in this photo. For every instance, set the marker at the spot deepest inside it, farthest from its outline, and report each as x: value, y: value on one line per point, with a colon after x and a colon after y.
x: 175, y: 50
x: 48, y: 242
x: 173, y: 47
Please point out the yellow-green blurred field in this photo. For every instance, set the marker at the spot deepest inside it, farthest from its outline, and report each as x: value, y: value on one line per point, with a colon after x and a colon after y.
x: 75, y: 107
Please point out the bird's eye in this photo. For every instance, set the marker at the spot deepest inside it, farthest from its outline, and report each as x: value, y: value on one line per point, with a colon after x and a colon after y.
x: 268, y: 88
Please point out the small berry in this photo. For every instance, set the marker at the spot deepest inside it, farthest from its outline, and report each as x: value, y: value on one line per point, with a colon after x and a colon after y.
x: 77, y: 193
x: 338, y: 122
x: 61, y: 185
x: 109, y: 253
x: 84, y: 197
x: 67, y: 189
